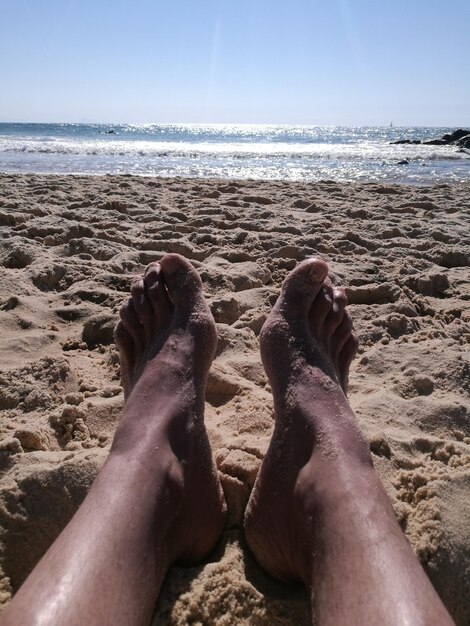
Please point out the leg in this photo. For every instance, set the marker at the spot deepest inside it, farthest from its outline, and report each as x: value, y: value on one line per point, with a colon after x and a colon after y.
x: 318, y: 511
x: 157, y: 498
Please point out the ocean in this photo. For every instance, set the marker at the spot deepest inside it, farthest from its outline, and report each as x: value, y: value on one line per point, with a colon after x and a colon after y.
x: 262, y: 152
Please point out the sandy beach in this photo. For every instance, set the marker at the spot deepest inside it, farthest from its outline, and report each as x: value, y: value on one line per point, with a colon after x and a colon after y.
x: 69, y: 246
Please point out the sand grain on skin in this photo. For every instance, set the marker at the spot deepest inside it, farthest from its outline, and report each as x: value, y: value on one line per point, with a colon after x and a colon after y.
x: 69, y: 247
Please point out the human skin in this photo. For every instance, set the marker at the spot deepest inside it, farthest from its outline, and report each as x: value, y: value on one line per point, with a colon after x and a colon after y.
x: 157, y: 499
x: 318, y: 511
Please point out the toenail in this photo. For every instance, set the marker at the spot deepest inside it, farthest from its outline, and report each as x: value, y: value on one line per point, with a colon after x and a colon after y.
x: 318, y: 266
x: 172, y: 265
x: 155, y: 267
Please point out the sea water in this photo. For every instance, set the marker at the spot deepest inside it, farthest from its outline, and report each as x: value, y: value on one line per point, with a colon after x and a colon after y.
x: 262, y: 152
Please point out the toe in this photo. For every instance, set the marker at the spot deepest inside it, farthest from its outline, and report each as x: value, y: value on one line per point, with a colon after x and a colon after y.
x: 142, y: 306
x: 182, y: 282
x: 345, y: 357
x: 335, y: 316
x: 341, y: 335
x: 349, y: 350
x: 131, y: 323
x: 123, y: 340
x: 301, y: 287
x: 321, y: 307
x: 127, y: 349
x: 157, y: 293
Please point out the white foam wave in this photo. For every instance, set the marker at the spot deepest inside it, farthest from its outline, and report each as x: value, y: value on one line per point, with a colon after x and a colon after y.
x: 375, y: 151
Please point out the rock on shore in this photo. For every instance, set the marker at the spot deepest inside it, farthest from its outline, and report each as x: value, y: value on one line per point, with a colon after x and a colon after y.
x: 458, y: 137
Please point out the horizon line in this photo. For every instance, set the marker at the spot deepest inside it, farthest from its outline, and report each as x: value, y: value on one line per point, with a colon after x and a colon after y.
x: 259, y: 124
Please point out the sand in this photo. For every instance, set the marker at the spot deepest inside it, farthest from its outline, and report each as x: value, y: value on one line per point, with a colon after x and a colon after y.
x: 68, y: 249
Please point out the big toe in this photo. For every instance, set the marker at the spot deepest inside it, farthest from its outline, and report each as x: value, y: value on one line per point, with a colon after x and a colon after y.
x: 182, y: 281
x: 301, y: 287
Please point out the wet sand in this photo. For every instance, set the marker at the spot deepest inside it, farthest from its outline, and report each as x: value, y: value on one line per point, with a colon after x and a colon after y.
x: 69, y: 246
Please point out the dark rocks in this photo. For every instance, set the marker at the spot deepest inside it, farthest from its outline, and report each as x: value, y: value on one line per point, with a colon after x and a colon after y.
x: 456, y: 135
x: 464, y: 142
x: 405, y: 142
x: 460, y: 137
x: 435, y: 142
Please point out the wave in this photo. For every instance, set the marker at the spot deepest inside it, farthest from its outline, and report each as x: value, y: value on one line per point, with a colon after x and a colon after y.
x: 374, y: 151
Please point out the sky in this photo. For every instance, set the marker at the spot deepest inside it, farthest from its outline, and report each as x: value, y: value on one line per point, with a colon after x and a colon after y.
x: 340, y: 62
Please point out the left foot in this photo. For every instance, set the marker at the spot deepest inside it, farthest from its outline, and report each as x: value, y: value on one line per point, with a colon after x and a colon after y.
x: 166, y: 339
x: 318, y: 511
x: 307, y: 346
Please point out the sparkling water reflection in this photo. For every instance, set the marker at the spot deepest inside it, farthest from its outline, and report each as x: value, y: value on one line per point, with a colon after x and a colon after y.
x: 306, y: 153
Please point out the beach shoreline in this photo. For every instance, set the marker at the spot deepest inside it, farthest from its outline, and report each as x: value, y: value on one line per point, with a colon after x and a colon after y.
x: 408, y: 155
x: 68, y: 249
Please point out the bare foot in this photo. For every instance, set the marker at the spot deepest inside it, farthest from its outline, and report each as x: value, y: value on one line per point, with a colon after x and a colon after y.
x: 307, y: 346
x: 166, y: 339
x: 318, y: 511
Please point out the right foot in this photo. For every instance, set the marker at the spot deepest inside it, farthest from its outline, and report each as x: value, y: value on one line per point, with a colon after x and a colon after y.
x: 166, y: 340
x: 307, y: 346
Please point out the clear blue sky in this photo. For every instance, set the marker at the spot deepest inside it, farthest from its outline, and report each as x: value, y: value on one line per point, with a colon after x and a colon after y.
x: 254, y: 61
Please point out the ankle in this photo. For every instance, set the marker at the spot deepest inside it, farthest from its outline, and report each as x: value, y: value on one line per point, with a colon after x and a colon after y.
x: 148, y: 425
x: 326, y: 488
x: 163, y: 390
x: 154, y: 441
x: 324, y: 432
